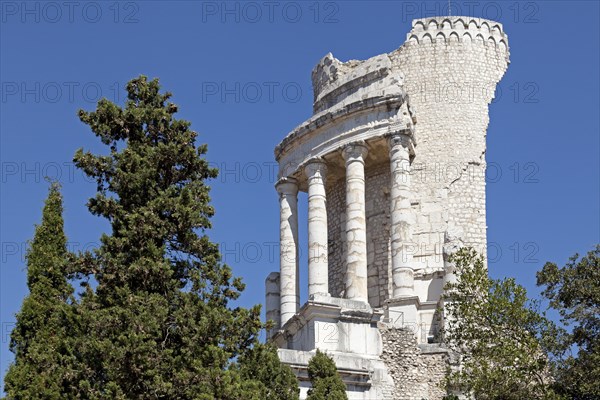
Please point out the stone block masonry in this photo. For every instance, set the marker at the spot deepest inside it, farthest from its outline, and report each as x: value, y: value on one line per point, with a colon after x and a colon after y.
x: 418, y: 373
x: 393, y: 162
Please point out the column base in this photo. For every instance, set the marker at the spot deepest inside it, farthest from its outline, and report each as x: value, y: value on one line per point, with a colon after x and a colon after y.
x: 402, y: 312
x: 319, y: 296
x: 332, y: 324
x: 412, y: 314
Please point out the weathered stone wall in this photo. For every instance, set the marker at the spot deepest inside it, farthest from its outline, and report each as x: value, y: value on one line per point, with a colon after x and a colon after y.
x: 450, y: 68
x: 416, y: 375
x: 336, y: 234
x: 435, y: 364
x: 378, y: 232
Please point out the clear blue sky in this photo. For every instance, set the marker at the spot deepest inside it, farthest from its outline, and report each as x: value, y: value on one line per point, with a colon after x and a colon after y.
x: 57, y: 58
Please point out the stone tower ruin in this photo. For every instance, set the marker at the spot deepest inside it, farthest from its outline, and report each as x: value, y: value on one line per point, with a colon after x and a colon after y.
x: 393, y: 161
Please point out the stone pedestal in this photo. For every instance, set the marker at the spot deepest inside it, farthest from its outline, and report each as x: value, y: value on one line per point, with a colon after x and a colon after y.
x: 347, y: 331
x: 332, y: 324
x: 402, y: 312
x: 411, y: 314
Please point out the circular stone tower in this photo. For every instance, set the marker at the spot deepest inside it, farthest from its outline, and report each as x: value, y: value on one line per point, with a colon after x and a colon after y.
x: 393, y: 162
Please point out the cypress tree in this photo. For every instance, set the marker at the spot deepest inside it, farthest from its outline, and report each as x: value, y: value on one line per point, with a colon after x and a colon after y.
x: 326, y: 381
x: 43, y: 354
x: 273, y: 379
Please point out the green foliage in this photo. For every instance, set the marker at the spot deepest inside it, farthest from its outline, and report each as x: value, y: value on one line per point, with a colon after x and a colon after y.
x: 326, y: 381
x: 275, y: 380
x: 574, y: 290
x: 154, y: 319
x: 40, y: 340
x: 497, y: 333
x: 159, y: 323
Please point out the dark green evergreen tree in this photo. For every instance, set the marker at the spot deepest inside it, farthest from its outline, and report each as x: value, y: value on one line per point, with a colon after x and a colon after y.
x: 273, y: 379
x: 325, y: 379
x: 158, y: 323
x: 43, y: 353
x: 574, y: 291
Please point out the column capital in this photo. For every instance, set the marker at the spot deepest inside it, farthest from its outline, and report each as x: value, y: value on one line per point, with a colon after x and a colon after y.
x: 315, y: 165
x: 287, y: 185
x: 403, y: 137
x: 355, y: 150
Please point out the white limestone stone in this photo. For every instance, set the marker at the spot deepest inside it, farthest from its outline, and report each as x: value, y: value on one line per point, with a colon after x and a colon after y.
x: 383, y: 223
x: 402, y: 214
x: 316, y: 171
x: 288, y: 236
x: 356, y: 224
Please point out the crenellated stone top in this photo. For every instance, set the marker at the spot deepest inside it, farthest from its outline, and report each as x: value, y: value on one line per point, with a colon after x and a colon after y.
x: 458, y: 29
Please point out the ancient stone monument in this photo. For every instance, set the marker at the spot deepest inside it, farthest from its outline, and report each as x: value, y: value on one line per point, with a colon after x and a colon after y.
x: 393, y: 161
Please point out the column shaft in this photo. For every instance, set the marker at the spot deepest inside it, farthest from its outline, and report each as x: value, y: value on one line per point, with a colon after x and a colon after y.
x: 288, y: 253
x: 273, y: 302
x: 356, y: 223
x: 316, y: 171
x: 401, y: 216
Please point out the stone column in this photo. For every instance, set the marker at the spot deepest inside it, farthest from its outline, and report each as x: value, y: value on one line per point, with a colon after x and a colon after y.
x: 315, y: 171
x: 356, y: 222
x: 402, y: 217
x: 273, y: 302
x: 288, y: 242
